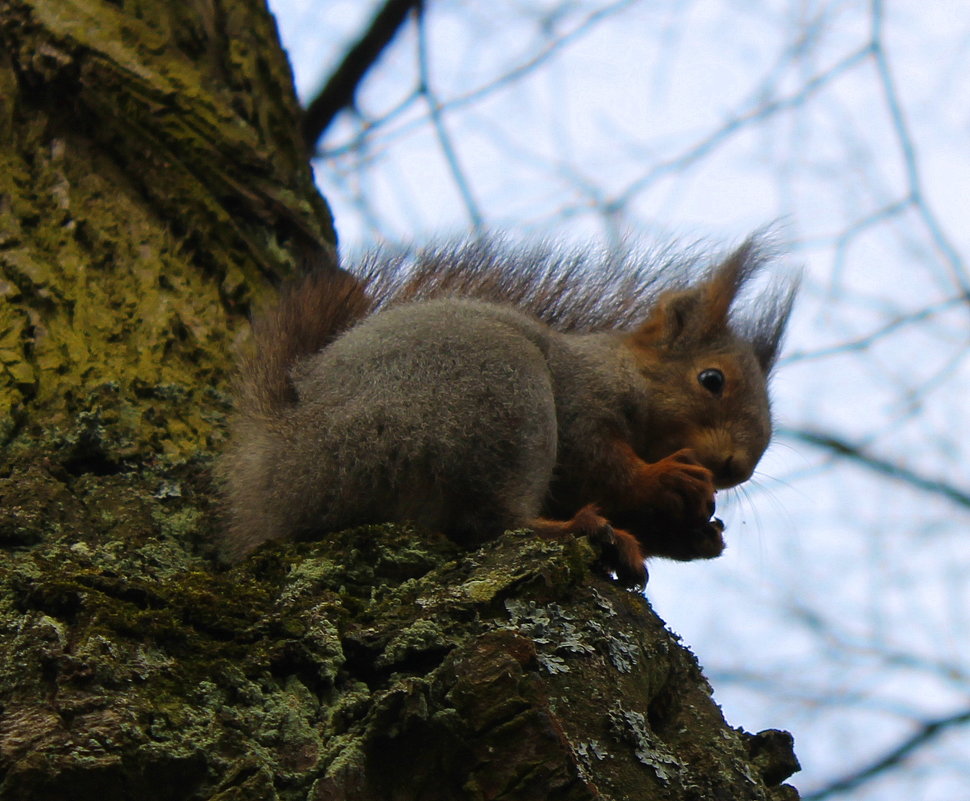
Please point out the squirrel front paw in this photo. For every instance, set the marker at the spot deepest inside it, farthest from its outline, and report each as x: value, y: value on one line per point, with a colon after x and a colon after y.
x: 680, y: 488
x: 705, y: 541
x: 620, y: 551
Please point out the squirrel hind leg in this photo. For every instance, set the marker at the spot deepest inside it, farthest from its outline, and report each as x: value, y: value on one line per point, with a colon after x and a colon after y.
x: 621, y: 552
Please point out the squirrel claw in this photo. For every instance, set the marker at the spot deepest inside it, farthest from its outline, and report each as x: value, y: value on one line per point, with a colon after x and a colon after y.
x: 620, y: 553
x: 619, y: 558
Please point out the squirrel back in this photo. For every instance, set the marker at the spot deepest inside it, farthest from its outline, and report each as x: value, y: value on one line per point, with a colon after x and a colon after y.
x: 477, y: 388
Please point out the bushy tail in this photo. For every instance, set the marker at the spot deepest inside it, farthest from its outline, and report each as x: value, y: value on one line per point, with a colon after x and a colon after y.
x: 580, y: 289
x: 310, y: 313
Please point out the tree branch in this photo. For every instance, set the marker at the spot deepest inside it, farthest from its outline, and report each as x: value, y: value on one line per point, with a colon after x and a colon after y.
x: 339, y: 91
x: 441, y: 132
x: 868, y: 340
x: 907, y: 148
x: 927, y: 732
x: 857, y: 454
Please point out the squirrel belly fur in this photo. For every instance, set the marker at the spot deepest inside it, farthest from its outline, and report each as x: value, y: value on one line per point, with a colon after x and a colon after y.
x: 478, y: 388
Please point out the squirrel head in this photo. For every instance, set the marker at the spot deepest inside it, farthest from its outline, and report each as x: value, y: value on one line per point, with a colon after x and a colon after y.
x: 708, y: 365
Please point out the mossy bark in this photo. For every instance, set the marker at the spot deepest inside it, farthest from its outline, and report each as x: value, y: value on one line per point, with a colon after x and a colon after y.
x: 151, y: 176
x: 378, y: 663
x: 152, y: 184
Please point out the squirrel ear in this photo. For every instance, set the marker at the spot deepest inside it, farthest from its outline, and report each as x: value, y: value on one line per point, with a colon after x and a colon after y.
x: 700, y: 312
x: 672, y: 319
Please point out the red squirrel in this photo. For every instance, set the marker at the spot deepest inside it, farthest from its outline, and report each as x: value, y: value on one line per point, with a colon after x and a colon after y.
x: 478, y: 388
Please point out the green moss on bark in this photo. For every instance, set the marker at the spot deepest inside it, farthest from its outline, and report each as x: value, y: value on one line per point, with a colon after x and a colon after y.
x: 152, y: 178
x: 372, y: 660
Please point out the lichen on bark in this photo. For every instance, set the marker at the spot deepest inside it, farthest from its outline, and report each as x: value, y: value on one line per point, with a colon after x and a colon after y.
x: 376, y: 663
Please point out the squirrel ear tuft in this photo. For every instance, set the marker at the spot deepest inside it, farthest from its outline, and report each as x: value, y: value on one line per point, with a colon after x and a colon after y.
x: 699, y: 313
x: 767, y: 331
x: 726, y: 279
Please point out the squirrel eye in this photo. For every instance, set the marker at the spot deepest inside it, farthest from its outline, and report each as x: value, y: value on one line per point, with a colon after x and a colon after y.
x: 712, y: 380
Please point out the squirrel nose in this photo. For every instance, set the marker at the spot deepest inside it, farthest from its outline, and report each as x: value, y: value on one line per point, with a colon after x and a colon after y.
x: 732, y: 472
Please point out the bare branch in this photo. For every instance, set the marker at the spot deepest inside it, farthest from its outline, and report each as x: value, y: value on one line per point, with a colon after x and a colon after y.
x: 740, y: 122
x: 503, y: 81
x: 857, y: 454
x: 946, y: 248
x: 339, y: 91
x: 444, y: 139
x: 926, y: 733
x: 870, y: 339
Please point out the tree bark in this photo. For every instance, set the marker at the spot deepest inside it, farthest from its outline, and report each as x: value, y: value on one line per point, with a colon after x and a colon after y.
x: 152, y: 186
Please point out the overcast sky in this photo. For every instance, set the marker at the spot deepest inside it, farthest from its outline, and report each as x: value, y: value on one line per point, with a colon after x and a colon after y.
x: 841, y: 608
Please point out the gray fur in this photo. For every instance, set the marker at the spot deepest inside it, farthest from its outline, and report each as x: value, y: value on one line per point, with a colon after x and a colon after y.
x: 469, y: 416
x: 389, y: 426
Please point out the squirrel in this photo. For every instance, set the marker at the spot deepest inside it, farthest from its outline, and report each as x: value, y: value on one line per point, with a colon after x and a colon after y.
x: 476, y: 388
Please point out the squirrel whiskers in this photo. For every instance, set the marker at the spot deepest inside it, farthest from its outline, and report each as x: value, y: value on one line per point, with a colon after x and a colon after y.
x: 479, y: 387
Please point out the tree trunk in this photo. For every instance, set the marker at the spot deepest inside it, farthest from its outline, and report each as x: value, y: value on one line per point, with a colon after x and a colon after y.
x: 152, y: 185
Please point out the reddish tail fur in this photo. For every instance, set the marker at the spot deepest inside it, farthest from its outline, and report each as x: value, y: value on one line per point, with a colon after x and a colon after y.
x: 309, y: 314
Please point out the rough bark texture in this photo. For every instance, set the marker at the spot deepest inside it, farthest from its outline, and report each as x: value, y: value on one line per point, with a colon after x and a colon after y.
x: 150, y: 171
x: 375, y: 664
x: 151, y: 181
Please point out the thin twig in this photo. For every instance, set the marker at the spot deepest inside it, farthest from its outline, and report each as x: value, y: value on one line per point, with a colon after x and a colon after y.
x: 870, y: 339
x: 739, y: 123
x: 441, y: 132
x: 516, y: 73
x: 908, y: 149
